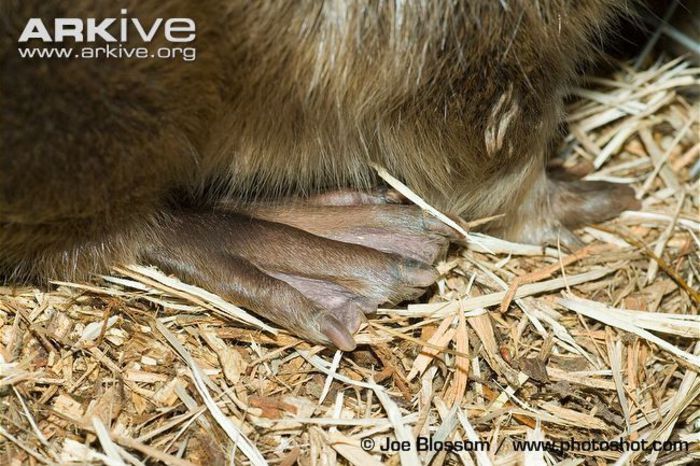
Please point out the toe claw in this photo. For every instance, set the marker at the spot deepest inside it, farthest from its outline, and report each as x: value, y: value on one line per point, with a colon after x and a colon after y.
x: 337, y: 333
x: 418, y: 273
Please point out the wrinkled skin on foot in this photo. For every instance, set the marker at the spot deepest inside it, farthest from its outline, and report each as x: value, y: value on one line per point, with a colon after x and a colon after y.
x: 315, y: 268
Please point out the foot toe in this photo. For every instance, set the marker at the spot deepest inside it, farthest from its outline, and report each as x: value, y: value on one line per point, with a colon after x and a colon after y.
x: 316, y: 270
x: 417, y: 274
x: 579, y: 203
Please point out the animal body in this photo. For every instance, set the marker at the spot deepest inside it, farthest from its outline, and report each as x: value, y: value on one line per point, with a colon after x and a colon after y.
x: 248, y: 169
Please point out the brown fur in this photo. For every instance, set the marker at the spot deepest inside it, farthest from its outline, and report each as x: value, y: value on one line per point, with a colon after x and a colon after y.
x: 459, y: 99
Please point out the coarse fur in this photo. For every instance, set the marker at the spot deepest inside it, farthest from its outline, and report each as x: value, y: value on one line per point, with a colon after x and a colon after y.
x: 459, y: 99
